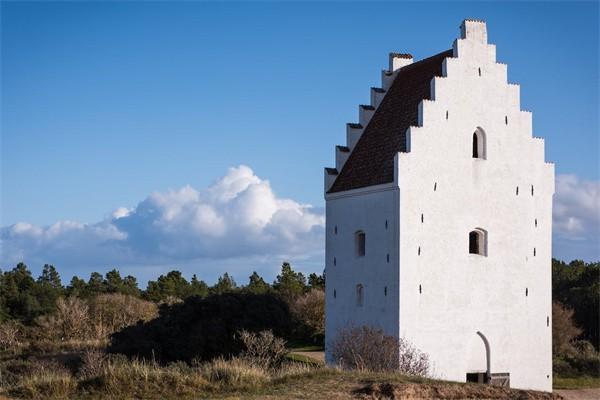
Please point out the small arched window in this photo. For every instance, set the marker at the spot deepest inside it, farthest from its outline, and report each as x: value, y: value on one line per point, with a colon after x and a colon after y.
x: 359, y: 295
x: 479, y: 144
x: 360, y: 239
x: 478, y: 242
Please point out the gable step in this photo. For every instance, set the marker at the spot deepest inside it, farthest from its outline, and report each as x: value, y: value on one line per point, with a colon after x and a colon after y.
x: 353, y: 133
x: 365, y: 113
x: 341, y: 156
x: 377, y: 95
x: 329, y: 177
x: 387, y: 78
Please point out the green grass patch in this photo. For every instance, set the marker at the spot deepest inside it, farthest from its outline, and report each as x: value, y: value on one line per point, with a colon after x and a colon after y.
x: 580, y: 382
x: 302, y: 359
x: 308, y: 348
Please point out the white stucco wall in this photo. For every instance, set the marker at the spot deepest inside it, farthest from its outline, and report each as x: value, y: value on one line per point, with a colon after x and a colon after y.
x: 461, y: 293
x: 365, y: 210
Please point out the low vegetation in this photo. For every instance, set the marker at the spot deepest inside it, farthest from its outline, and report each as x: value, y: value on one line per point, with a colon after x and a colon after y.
x: 106, y: 338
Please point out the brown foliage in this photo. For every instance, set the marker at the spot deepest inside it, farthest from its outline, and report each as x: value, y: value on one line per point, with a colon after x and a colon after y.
x: 110, y: 313
x: 369, y: 349
x: 310, y: 309
x: 69, y: 321
x: 93, y: 362
x: 94, y: 319
x: 564, y: 330
x: 263, y: 349
x: 10, y: 335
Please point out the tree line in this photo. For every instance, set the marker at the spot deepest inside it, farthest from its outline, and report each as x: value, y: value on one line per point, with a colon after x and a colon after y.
x: 24, y: 298
x: 575, y: 285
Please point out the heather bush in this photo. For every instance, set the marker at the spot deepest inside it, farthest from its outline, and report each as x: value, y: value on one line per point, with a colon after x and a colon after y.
x: 369, y: 349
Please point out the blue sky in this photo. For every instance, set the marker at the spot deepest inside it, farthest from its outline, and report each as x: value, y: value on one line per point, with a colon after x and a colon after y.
x: 106, y: 103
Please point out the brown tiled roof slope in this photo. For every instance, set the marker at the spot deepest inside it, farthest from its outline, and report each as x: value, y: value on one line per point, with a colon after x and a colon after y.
x: 372, y: 160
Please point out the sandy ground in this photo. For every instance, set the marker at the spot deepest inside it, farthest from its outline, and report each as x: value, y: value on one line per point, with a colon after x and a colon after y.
x: 579, y: 394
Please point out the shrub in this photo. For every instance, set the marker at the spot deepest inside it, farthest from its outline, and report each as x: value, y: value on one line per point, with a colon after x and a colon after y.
x: 564, y: 330
x: 95, y: 318
x: 93, y: 362
x: 309, y: 310
x: 10, y: 335
x: 70, y: 320
x: 262, y: 349
x: 203, y: 328
x: 366, y: 348
x: 109, y: 313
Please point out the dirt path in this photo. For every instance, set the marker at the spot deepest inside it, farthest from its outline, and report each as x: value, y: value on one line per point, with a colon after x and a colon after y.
x: 579, y: 394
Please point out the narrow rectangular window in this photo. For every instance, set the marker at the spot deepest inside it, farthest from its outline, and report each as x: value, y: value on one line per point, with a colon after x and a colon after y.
x: 360, y: 243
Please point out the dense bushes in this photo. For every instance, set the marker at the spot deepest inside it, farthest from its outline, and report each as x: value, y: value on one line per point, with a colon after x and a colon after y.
x: 95, y: 318
x: 577, y: 286
x: 309, y: 311
x: 571, y: 357
x: 204, y: 328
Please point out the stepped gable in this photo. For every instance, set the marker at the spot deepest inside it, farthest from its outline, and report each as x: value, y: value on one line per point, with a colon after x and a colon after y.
x: 372, y: 160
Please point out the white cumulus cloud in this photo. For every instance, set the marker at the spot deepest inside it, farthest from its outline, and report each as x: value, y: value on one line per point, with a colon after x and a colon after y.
x: 576, y: 218
x: 238, y: 216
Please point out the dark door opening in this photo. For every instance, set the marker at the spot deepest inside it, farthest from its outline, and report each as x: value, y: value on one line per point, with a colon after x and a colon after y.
x: 497, y: 379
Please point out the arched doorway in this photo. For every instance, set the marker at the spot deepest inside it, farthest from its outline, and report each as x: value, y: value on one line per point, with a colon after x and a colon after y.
x: 479, y: 367
x: 479, y: 364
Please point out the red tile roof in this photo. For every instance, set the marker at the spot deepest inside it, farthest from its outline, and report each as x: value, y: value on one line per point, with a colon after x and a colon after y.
x: 372, y: 160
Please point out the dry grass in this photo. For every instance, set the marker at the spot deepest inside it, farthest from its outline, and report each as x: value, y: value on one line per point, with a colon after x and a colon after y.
x: 48, y: 382
x: 115, y: 377
x: 234, y: 374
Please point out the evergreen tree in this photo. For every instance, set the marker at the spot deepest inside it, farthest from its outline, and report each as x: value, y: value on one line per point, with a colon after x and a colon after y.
x: 316, y: 281
x: 96, y: 284
x: 18, y: 290
x: 50, y: 277
x: 48, y: 289
x: 257, y: 284
x: 224, y: 284
x: 289, y: 284
x: 77, y: 287
x: 198, y: 288
x: 171, y: 285
x: 114, y: 282
x: 130, y: 286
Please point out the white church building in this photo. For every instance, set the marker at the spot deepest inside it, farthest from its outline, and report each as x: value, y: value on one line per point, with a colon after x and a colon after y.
x: 439, y: 219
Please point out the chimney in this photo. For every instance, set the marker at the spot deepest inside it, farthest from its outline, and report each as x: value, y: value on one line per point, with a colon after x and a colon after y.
x: 399, y: 60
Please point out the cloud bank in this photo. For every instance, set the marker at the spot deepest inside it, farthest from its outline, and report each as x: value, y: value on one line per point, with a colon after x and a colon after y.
x: 238, y: 216
x: 240, y: 224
